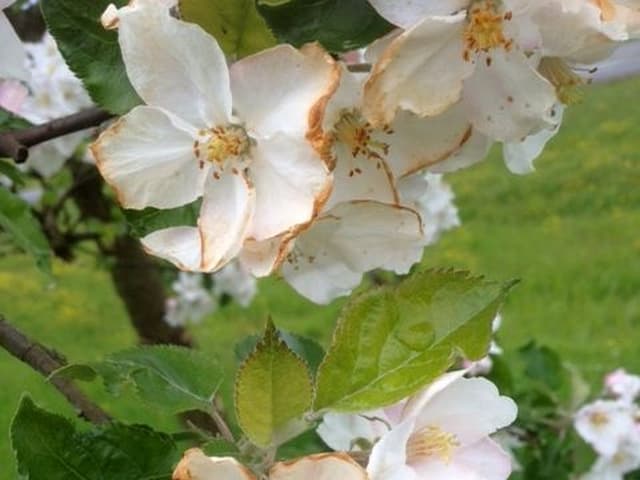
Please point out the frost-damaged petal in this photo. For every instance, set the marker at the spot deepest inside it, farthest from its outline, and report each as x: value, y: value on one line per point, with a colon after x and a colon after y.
x: 284, y: 90
x: 195, y: 465
x: 12, y: 55
x: 225, y: 218
x: 324, y: 466
x: 175, y: 65
x: 469, y: 420
x: 419, y: 143
x: 507, y: 99
x: 292, y: 184
x: 329, y: 259
x: 261, y: 259
x: 421, y: 71
x: 181, y: 246
x: 405, y: 14
x: 147, y: 157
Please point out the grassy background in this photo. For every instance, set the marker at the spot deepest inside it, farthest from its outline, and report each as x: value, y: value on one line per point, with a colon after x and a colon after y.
x: 569, y: 231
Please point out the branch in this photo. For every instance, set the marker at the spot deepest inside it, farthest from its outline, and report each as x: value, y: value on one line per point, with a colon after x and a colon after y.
x: 15, y: 144
x: 46, y: 361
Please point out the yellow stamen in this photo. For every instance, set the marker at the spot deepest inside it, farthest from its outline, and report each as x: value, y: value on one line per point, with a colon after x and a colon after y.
x: 432, y: 441
x: 222, y: 146
x: 598, y: 419
x: 485, y: 29
x: 566, y: 82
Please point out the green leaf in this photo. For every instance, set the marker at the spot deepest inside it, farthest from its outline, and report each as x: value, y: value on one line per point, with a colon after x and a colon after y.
x: 219, y: 447
x: 144, y: 222
x: 339, y: 25
x: 235, y: 24
x: 273, y: 391
x: 24, y: 229
x: 391, y: 342
x: 12, y: 173
x: 9, y: 121
x: 48, y: 447
x: 175, y: 378
x: 307, y: 349
x: 91, y: 52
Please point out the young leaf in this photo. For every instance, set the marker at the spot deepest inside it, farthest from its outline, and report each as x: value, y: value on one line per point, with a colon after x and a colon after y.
x: 339, y: 25
x: 273, y: 391
x: 144, y: 222
x: 48, y: 447
x: 91, y: 52
x: 235, y: 24
x: 391, y: 342
x: 175, y: 378
x: 18, y: 221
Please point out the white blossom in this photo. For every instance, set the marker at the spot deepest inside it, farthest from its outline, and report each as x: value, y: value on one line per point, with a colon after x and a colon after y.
x: 606, y: 425
x: 191, y: 302
x: 623, y: 385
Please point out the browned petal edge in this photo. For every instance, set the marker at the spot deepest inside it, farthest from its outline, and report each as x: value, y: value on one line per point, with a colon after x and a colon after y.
x: 402, y: 208
x: 607, y: 9
x: 183, y: 472
x: 315, y: 134
x: 430, y: 162
x: 97, y: 150
x: 392, y: 181
x: 282, y: 467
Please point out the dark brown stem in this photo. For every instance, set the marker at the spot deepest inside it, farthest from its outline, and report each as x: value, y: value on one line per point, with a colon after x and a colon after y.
x: 45, y: 362
x: 15, y: 144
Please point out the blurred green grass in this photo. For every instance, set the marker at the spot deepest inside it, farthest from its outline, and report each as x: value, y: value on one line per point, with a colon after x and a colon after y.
x: 569, y: 231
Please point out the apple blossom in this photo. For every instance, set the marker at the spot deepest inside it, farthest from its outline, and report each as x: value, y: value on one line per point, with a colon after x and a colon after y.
x: 191, y: 303
x: 12, y: 55
x: 606, y: 425
x: 195, y: 465
x: 12, y: 95
x: 623, y: 385
x: 625, y: 460
x: 218, y: 133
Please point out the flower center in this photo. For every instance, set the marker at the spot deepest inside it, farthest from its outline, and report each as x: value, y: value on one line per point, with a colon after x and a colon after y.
x: 223, y: 147
x: 566, y: 82
x: 598, y: 419
x: 357, y: 135
x: 484, y: 30
x: 431, y: 441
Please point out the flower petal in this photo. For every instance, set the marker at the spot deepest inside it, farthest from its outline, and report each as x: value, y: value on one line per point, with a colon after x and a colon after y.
x: 195, y: 465
x: 147, y: 157
x: 225, y: 218
x: 341, y: 431
x: 469, y: 408
x: 324, y: 466
x: 292, y: 183
x: 485, y: 459
x: 261, y: 259
x: 175, y: 65
x: 329, y: 259
x: 405, y: 14
x: 422, y: 71
x: 388, y: 460
x: 13, y: 56
x: 181, y: 246
x: 506, y: 98
x: 473, y: 151
x: 284, y: 90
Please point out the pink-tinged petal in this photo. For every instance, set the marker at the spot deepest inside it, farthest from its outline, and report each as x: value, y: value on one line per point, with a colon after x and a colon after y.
x: 284, y: 90
x: 388, y: 460
x: 225, y: 218
x: 473, y: 151
x: 423, y: 143
x: 407, y: 13
x: 195, y: 465
x: 506, y: 98
x: 422, y: 71
x: 324, y: 466
x: 329, y: 259
x: 181, y: 246
x: 486, y: 459
x: 147, y: 157
x: 12, y: 95
x: 292, y: 183
x: 469, y: 408
x: 175, y: 65
x: 12, y: 55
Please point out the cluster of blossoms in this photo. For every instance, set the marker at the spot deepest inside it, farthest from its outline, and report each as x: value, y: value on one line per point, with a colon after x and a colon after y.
x: 320, y: 174
x: 612, y: 427
x: 193, y: 299
x: 440, y: 433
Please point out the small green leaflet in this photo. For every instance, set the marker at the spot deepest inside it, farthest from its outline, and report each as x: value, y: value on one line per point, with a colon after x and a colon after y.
x: 144, y: 222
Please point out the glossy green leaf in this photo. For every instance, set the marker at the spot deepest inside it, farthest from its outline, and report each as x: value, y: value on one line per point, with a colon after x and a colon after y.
x: 339, y: 25
x: 17, y: 219
x: 273, y: 391
x: 144, y: 222
x: 391, y: 342
x: 235, y: 24
x: 175, y: 378
x: 91, y: 52
x: 48, y: 447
